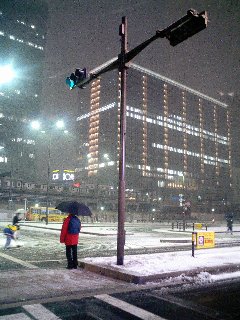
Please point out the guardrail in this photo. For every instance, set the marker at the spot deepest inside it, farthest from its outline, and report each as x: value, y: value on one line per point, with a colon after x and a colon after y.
x: 183, y: 225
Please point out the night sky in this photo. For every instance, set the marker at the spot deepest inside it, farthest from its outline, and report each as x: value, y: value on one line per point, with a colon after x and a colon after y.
x: 84, y: 33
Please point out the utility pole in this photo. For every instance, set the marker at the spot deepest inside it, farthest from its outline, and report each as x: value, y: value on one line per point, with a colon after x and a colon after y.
x: 121, y: 187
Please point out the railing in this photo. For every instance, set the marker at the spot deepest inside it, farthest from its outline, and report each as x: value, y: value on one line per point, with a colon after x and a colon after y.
x: 183, y: 225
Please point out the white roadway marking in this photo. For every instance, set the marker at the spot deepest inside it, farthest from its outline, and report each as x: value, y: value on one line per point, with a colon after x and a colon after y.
x: 16, y: 316
x: 39, y: 312
x: 129, y: 308
x: 23, y: 263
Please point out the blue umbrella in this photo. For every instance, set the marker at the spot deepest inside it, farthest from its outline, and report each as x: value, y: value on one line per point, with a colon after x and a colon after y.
x: 74, y: 207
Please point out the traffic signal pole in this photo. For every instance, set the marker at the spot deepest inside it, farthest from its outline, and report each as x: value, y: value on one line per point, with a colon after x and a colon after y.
x: 192, y: 23
x: 121, y: 187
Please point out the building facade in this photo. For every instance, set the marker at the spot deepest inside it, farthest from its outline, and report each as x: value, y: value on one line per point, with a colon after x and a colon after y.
x: 22, y: 41
x: 178, y: 141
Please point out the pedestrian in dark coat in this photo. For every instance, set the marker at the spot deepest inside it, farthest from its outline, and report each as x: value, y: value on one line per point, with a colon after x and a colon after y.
x: 16, y: 219
x: 229, y: 218
x: 70, y: 235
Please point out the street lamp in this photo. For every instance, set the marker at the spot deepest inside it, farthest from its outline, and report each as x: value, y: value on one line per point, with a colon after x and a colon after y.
x: 7, y: 74
x: 192, y: 23
x: 60, y: 124
x: 36, y: 125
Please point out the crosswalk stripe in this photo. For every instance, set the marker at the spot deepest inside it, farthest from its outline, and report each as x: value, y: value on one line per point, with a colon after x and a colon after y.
x: 23, y: 263
x: 39, y: 312
x: 136, y: 311
x: 15, y: 316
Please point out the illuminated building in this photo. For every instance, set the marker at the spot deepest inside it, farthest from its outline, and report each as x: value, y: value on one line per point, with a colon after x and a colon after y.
x: 178, y: 140
x: 22, y: 40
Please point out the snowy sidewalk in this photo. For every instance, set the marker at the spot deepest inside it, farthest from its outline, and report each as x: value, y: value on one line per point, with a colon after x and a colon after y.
x: 101, y: 275
x: 153, y: 267
x: 30, y: 283
x: 35, y: 285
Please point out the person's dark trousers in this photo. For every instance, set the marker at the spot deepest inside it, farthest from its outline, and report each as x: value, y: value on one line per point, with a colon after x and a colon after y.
x: 71, y: 254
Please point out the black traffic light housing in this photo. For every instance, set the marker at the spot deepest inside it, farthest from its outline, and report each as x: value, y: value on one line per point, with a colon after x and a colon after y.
x: 192, y: 23
x: 75, y: 78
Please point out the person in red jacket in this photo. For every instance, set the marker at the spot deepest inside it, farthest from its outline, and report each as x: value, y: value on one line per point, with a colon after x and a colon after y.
x: 70, y: 235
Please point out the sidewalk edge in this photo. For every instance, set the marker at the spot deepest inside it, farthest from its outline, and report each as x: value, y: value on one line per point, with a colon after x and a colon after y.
x: 142, y: 279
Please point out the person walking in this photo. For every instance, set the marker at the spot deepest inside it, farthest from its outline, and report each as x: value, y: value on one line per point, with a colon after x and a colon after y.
x: 69, y: 236
x: 15, y: 222
x: 230, y: 224
x: 229, y: 218
x: 9, y: 232
x: 16, y: 219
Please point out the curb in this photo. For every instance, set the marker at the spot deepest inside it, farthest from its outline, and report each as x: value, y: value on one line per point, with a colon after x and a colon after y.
x: 132, y: 277
x: 169, y: 240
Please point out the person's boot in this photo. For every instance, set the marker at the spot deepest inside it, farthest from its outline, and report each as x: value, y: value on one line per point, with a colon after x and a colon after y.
x: 70, y: 265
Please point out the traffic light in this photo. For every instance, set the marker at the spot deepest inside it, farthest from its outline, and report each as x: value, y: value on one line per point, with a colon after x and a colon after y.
x: 70, y: 81
x: 75, y: 78
x: 192, y: 23
x: 81, y: 74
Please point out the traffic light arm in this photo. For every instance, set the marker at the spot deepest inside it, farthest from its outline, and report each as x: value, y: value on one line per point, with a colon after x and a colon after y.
x: 93, y: 75
x: 192, y: 23
x: 188, y: 25
x: 117, y: 62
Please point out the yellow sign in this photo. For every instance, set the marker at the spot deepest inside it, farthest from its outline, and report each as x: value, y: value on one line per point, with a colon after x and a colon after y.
x: 205, y: 240
x: 198, y: 225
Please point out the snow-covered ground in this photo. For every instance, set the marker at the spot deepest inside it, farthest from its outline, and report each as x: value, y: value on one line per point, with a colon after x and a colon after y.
x: 160, y: 263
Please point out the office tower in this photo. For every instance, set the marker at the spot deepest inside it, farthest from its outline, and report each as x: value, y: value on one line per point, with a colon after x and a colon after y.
x: 22, y: 41
x: 178, y: 140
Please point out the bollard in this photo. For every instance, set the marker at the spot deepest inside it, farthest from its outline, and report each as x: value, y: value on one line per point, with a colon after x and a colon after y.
x: 193, y: 240
x: 172, y: 225
x: 206, y: 227
x: 193, y: 226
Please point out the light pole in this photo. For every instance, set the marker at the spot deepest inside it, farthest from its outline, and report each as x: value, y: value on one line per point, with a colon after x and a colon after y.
x: 36, y: 125
x: 192, y: 23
